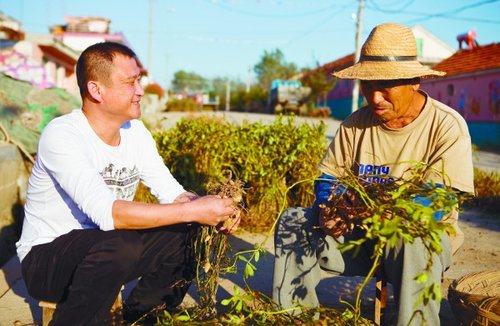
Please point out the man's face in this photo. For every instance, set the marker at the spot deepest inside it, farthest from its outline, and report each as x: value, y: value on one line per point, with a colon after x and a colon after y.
x: 389, y: 100
x: 123, y: 94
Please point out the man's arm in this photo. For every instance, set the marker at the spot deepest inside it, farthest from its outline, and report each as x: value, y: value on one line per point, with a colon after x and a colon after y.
x: 207, y: 210
x: 185, y: 197
x: 323, y: 187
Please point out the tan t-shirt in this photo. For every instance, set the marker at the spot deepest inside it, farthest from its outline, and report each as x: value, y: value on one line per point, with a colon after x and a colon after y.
x: 438, y: 137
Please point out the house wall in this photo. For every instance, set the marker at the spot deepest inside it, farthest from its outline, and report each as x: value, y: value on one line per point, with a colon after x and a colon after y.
x: 23, y: 67
x: 26, y: 61
x: 430, y: 48
x: 477, y: 98
x: 340, y: 99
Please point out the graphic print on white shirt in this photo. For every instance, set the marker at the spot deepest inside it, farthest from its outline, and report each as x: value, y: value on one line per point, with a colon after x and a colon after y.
x: 122, y: 181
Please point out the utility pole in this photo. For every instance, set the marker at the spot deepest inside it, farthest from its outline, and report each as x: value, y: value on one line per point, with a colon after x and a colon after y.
x: 248, y: 80
x: 150, y: 38
x: 357, y: 53
x: 228, y: 95
x: 166, y: 72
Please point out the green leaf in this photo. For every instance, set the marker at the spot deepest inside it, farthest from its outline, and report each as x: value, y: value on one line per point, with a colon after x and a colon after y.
x: 422, y: 278
x: 249, y: 271
x: 183, y: 318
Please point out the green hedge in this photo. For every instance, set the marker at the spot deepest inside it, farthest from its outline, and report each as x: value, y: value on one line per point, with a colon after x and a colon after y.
x: 276, y: 161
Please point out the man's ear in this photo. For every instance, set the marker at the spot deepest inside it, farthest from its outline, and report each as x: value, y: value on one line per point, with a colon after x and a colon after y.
x: 94, y: 90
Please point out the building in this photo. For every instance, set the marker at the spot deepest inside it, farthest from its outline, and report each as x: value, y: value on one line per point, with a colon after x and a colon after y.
x: 472, y: 87
x: 10, y: 29
x: 430, y: 50
x: 48, y: 60
x: 81, y: 32
x: 40, y: 60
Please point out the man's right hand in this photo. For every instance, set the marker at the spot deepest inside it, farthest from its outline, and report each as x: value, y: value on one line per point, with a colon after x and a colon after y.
x: 334, y: 227
x: 212, y: 210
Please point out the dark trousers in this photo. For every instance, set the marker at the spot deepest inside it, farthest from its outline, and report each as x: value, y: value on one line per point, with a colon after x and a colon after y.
x: 84, y: 270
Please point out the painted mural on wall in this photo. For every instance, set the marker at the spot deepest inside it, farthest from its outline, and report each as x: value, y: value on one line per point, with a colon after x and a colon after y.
x: 476, y: 99
x: 21, y: 67
x: 494, y: 97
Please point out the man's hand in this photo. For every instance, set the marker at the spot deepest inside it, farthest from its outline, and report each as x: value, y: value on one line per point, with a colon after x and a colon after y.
x: 334, y: 227
x: 341, y: 213
x: 212, y: 210
x: 231, y: 224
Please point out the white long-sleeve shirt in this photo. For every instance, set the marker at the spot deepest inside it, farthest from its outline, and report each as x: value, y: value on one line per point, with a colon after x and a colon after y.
x: 77, y: 177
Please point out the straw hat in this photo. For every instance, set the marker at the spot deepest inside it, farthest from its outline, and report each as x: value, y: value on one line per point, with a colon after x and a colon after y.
x: 390, y: 52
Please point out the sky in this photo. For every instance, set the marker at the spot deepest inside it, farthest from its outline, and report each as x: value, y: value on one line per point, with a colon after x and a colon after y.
x: 227, y: 38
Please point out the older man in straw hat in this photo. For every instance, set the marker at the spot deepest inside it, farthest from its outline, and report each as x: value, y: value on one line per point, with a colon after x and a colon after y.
x: 400, y: 126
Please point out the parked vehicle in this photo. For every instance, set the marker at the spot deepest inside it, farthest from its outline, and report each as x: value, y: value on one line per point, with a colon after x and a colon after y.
x: 288, y: 96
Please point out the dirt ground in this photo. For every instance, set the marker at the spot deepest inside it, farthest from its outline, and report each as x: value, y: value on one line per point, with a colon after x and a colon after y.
x: 480, y: 252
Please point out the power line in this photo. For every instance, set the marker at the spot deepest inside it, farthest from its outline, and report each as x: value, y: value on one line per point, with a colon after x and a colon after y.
x: 315, y: 27
x: 392, y: 11
x: 445, y: 14
x: 262, y: 15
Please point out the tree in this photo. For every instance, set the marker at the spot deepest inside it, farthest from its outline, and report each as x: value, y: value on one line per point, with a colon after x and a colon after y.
x: 319, y: 82
x: 272, y: 66
x: 187, y: 82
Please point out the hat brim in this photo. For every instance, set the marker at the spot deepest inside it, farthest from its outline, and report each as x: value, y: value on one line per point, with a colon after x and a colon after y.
x: 370, y: 70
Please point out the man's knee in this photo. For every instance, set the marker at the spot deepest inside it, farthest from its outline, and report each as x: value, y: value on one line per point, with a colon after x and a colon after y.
x: 295, y: 232
x: 294, y: 219
x: 121, y: 250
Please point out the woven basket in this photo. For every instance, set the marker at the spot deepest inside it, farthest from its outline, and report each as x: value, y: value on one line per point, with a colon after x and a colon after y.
x: 475, y: 298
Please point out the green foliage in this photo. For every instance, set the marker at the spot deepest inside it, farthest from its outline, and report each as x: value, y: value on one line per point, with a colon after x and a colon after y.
x: 278, y: 162
x: 272, y: 65
x: 188, y: 81
x: 183, y: 105
x: 255, y: 100
x: 267, y: 158
x: 394, y: 215
x: 487, y: 187
x: 320, y: 83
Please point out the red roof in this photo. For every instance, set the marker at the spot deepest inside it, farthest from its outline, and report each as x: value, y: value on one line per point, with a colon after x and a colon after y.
x: 330, y: 67
x: 477, y: 59
x: 339, y: 64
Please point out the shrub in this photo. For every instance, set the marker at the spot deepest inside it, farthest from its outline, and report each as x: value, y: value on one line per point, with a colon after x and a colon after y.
x: 487, y: 187
x: 182, y: 105
x: 154, y: 89
x: 269, y: 159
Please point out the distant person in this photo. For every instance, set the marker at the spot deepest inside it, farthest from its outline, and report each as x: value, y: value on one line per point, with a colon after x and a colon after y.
x: 83, y: 235
x: 399, y: 127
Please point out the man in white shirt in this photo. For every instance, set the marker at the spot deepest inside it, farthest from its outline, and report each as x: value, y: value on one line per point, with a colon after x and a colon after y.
x: 83, y: 235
